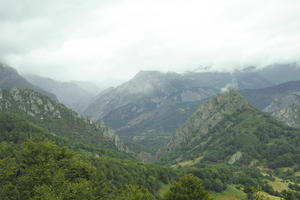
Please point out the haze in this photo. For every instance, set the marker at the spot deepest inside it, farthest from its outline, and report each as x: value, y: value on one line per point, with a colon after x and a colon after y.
x: 113, y: 40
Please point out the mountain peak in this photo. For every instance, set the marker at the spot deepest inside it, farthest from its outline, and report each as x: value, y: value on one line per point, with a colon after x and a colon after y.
x: 205, y: 118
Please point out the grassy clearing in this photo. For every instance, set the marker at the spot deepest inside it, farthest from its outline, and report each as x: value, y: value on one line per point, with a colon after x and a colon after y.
x: 297, y: 174
x: 230, y: 194
x: 188, y: 163
x: 163, y: 189
x: 270, y: 196
x: 279, y: 184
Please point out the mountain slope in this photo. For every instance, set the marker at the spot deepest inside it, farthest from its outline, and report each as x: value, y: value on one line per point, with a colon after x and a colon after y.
x: 280, y: 73
x: 146, y: 109
x: 10, y: 78
x: 228, y: 130
x: 289, y: 114
x: 68, y: 93
x: 281, y: 101
x: 58, y: 119
x: 275, y: 96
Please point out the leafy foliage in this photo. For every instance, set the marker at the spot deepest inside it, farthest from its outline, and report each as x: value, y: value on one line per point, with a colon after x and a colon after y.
x: 188, y: 187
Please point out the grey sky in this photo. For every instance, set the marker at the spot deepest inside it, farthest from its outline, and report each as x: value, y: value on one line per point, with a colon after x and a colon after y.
x: 103, y: 39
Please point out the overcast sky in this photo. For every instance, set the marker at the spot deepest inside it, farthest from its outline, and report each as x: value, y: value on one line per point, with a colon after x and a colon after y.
x: 114, y: 39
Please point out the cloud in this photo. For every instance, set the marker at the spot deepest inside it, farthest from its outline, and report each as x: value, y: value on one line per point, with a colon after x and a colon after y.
x: 95, y: 40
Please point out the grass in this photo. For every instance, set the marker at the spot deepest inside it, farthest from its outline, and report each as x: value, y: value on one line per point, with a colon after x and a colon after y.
x: 297, y: 174
x: 270, y: 196
x: 188, y: 163
x: 279, y: 184
x: 231, y: 193
x: 163, y: 189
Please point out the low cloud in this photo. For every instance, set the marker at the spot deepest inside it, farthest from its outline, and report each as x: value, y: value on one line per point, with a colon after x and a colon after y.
x: 96, y: 40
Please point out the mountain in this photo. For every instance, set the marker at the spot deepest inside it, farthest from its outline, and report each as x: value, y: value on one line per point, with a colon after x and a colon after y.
x: 227, y: 129
x: 289, y: 114
x: 10, y: 78
x: 272, y: 98
x: 58, y: 119
x: 72, y: 94
x: 147, y: 108
x: 88, y: 86
x: 35, y: 163
x: 281, y: 101
x: 280, y: 73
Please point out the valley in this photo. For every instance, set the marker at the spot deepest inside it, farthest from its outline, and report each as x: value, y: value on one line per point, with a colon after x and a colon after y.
x: 239, y: 141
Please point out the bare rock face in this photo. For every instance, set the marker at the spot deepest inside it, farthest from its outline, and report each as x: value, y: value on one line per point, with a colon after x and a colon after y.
x: 289, y: 114
x: 235, y: 157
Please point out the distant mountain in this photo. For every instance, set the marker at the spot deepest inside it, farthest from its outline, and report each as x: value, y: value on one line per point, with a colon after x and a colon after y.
x: 89, y: 87
x: 227, y: 129
x: 75, y: 95
x: 58, y: 119
x: 147, y: 108
x: 281, y: 101
x: 280, y: 73
x: 10, y: 78
x: 275, y: 97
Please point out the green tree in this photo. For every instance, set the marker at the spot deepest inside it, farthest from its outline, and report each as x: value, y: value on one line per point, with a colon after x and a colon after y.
x: 188, y: 187
x: 132, y: 192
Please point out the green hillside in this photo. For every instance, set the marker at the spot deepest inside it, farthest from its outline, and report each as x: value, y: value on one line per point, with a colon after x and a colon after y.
x: 228, y: 130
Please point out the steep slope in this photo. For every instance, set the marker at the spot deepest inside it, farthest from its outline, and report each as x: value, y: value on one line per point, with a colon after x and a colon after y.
x: 290, y: 114
x: 68, y: 93
x: 150, y: 106
x: 58, y: 119
x: 10, y: 78
x: 32, y: 159
x: 227, y: 129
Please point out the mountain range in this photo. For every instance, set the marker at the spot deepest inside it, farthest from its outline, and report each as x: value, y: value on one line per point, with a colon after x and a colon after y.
x: 201, y: 122
x: 148, y: 108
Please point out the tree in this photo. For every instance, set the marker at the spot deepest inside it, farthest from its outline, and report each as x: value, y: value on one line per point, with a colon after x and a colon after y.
x: 188, y: 187
x: 254, y: 194
x: 132, y: 192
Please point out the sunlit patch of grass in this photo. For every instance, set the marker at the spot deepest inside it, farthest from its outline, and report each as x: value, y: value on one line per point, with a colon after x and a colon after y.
x: 297, y: 173
x: 270, y: 197
x: 188, y: 163
x: 163, y: 189
x: 231, y: 193
x: 279, y: 184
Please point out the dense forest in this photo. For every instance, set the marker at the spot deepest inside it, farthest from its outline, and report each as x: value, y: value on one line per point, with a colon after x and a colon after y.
x: 35, y: 164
